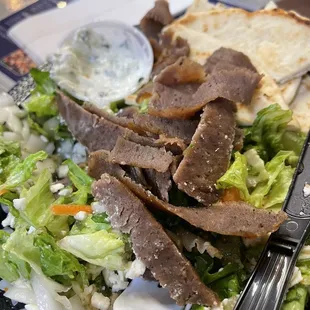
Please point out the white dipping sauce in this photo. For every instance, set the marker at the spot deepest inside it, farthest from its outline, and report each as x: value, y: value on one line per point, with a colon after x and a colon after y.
x: 103, y: 62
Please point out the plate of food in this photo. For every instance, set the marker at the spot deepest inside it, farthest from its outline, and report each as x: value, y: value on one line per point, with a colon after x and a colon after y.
x: 164, y: 198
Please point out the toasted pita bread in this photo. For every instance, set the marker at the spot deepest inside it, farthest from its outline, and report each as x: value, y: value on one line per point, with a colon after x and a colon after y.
x: 301, y: 104
x: 204, y: 6
x: 277, y: 42
x: 267, y: 93
x: 289, y: 89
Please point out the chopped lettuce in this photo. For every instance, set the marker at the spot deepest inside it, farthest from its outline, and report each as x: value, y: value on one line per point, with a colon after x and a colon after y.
x: 23, y: 171
x: 11, y: 267
x: 260, y: 185
x: 38, y: 198
x: 101, y: 248
x: 9, y: 148
x: 42, y: 105
x: 42, y: 99
x: 57, y: 263
x: 79, y: 177
x: 270, y: 134
x: 227, y: 287
x: 274, y: 167
x: 91, y: 224
x: 296, y: 298
x: 40, y: 251
x: 236, y: 176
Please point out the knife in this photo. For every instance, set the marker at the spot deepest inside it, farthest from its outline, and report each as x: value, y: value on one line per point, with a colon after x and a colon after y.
x: 268, y: 283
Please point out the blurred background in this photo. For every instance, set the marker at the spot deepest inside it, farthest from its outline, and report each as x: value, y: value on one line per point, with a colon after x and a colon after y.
x: 31, y: 29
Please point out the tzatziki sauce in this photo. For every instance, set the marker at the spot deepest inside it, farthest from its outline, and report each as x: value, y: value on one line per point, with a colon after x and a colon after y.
x: 102, y: 62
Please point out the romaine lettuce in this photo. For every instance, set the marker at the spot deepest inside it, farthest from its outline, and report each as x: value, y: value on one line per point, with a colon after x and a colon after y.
x: 101, y: 248
x: 270, y: 134
x: 296, y: 298
x: 23, y: 171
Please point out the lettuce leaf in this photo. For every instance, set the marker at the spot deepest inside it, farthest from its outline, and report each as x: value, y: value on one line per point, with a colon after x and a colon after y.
x: 227, y: 287
x: 57, y: 263
x: 42, y: 105
x: 270, y: 134
x: 261, y: 185
x: 101, y: 248
x: 296, y: 298
x: 11, y: 268
x: 91, y: 224
x: 236, y: 176
x: 273, y: 168
x: 79, y: 177
x: 23, y: 171
x: 42, y: 99
x: 38, y: 200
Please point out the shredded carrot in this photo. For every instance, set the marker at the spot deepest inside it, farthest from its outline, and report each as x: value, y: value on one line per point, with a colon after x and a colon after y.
x: 231, y: 194
x: 3, y: 191
x: 70, y: 209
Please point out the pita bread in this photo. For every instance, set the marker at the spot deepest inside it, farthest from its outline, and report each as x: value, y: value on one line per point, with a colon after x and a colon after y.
x: 289, y: 89
x: 301, y: 104
x: 276, y: 41
x: 267, y: 93
x: 204, y: 6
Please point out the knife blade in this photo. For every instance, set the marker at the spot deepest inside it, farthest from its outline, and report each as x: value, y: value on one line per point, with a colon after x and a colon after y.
x: 268, y: 283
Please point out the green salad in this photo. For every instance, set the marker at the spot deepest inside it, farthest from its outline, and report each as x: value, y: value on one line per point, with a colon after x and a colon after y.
x: 58, y: 248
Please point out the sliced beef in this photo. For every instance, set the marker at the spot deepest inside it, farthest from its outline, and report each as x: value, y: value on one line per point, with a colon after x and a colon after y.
x: 226, y: 58
x: 182, y: 129
x: 236, y: 85
x: 182, y: 71
x: 228, y: 218
x: 129, y: 153
x: 183, y: 101
x: 171, y: 52
x: 155, y: 19
x: 118, y: 120
x: 98, y: 164
x: 160, y: 183
x: 207, y: 158
x: 234, y: 218
x: 173, y: 101
x: 98, y: 133
x: 239, y: 137
x: 151, y: 244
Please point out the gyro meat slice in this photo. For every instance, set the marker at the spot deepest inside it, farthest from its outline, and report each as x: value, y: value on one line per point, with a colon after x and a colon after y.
x: 129, y: 153
x: 208, y: 156
x: 151, y: 244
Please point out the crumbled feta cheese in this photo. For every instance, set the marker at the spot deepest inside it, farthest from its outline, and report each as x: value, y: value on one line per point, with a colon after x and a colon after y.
x: 81, y: 216
x: 62, y: 171
x: 65, y: 192
x: 136, y: 269
x: 50, y: 148
x: 98, y: 207
x: 6, y: 100
x: 306, y: 190
x: 46, y: 164
x: 54, y: 188
x: 19, y: 204
x: 31, y: 230
x: 296, y: 277
x: 9, y: 220
x: 115, y: 280
x: 43, y: 138
x: 100, y: 302
x: 79, y: 153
